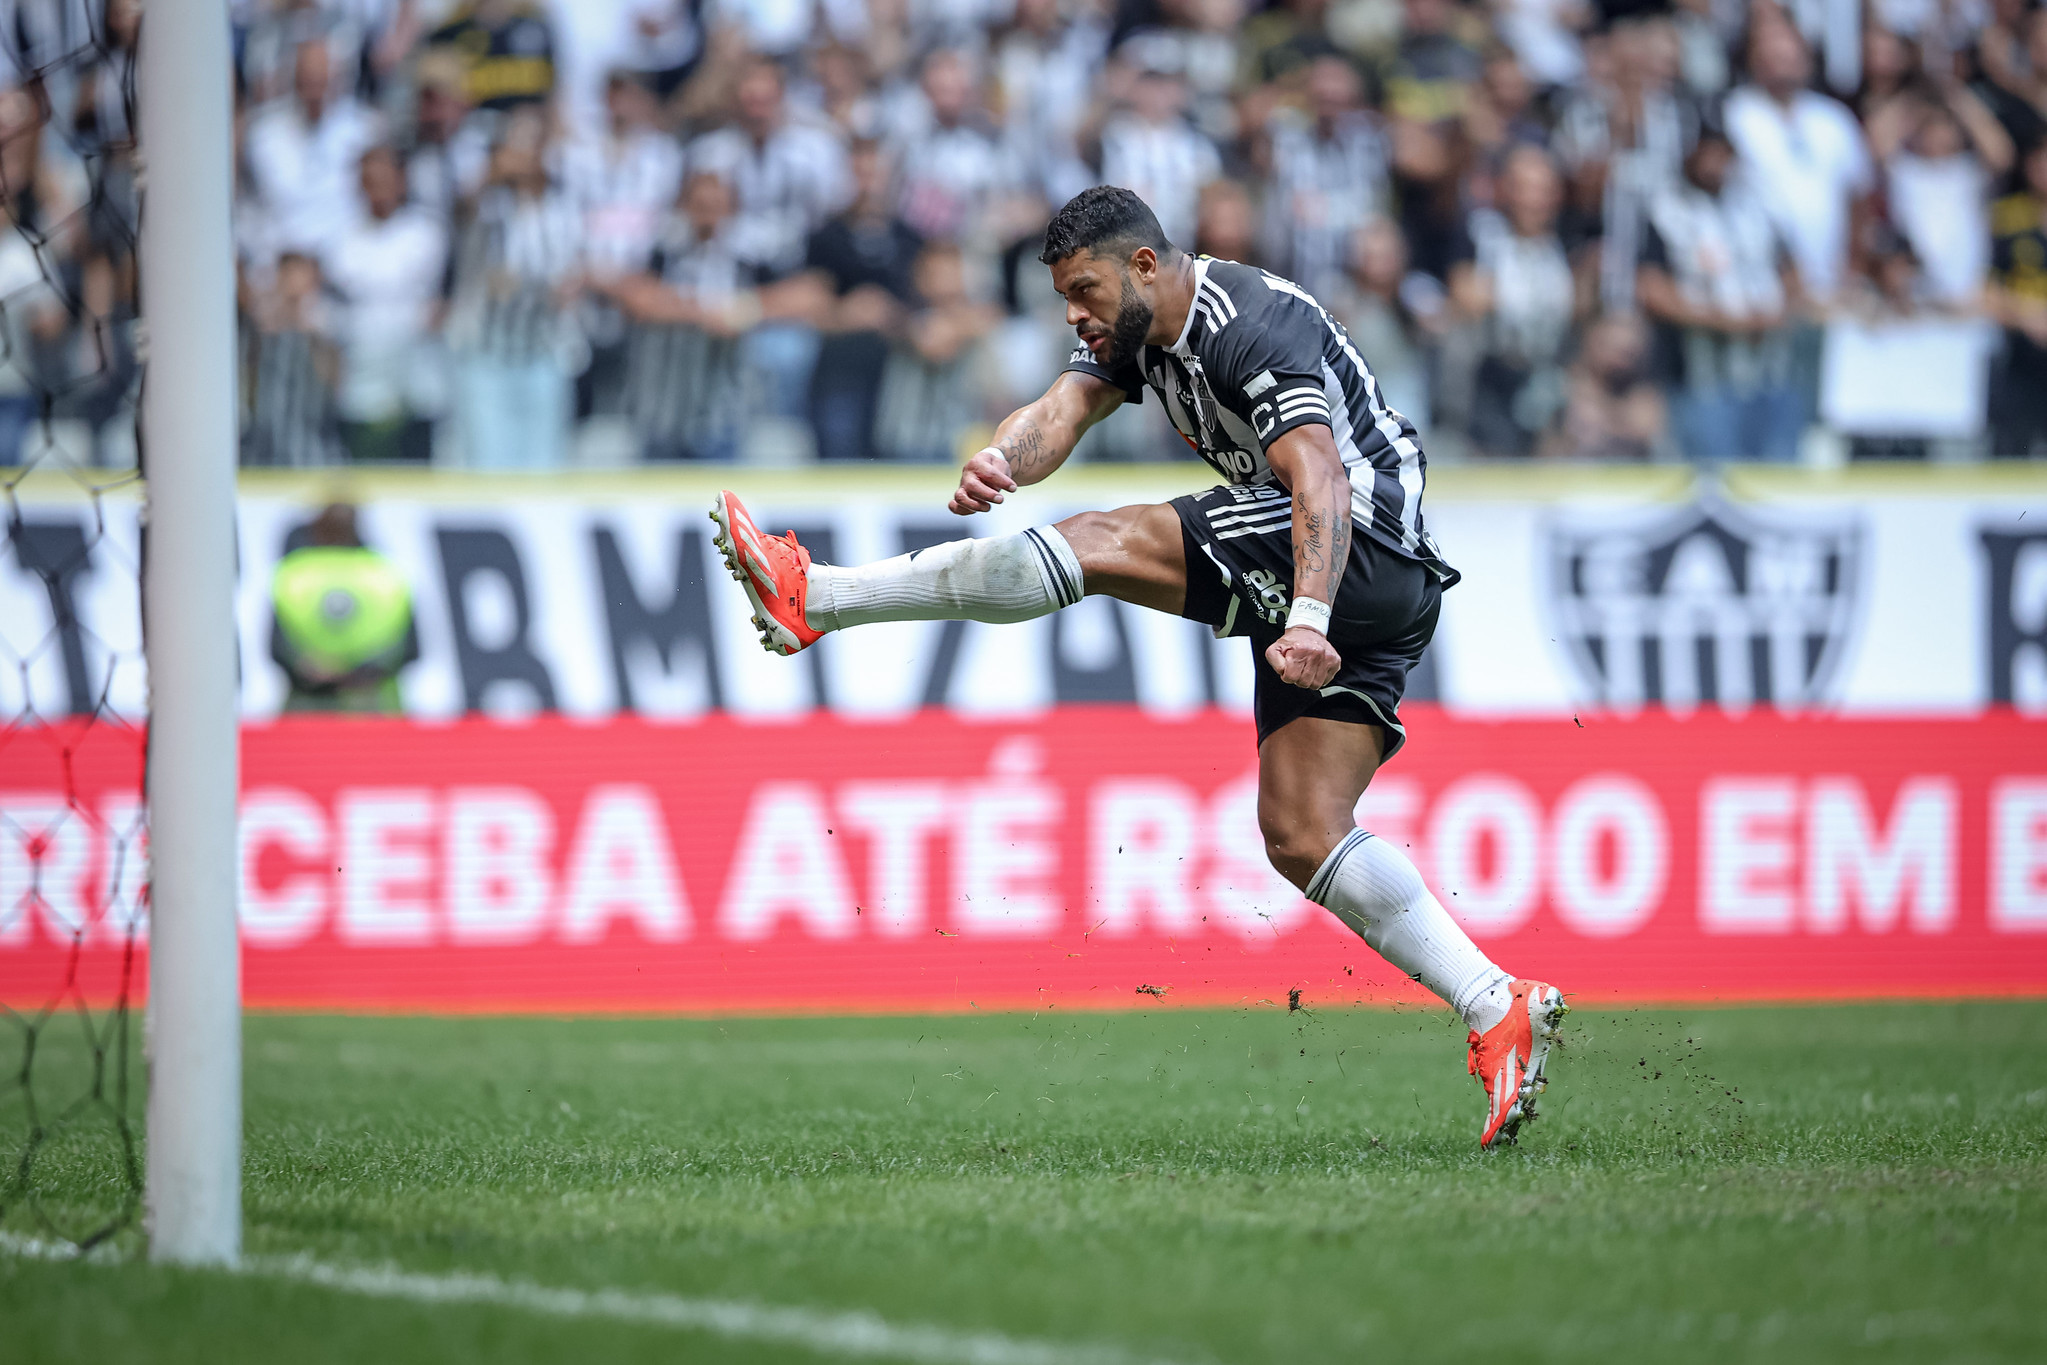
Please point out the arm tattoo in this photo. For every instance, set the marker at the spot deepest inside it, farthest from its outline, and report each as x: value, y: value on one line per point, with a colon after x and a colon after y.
x: 1313, y: 554
x: 1321, y: 547
x: 1024, y: 448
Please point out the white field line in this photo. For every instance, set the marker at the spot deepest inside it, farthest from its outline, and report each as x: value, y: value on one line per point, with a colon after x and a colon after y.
x: 858, y: 1334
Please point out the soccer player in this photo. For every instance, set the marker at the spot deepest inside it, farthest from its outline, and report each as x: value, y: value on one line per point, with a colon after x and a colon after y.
x: 1314, y: 548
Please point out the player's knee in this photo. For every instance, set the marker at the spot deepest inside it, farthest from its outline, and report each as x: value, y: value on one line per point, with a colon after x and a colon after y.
x: 1096, y: 538
x: 1295, y: 843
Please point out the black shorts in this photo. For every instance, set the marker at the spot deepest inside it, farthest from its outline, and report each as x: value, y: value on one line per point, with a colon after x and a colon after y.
x: 1240, y: 579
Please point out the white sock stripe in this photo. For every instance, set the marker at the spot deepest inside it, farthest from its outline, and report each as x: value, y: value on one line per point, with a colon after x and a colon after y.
x: 1064, y: 585
x: 1476, y: 986
x: 1055, y: 581
x: 1318, y: 885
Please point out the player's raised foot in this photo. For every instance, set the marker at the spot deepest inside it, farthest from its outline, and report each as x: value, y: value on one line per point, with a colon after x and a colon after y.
x: 774, y: 570
x: 1509, y: 1059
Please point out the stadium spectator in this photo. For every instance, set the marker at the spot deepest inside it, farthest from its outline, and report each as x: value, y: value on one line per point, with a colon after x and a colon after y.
x: 302, y: 155
x: 1894, y: 296
x: 668, y: 42
x: 789, y: 175
x: 512, y: 324
x: 1226, y: 223
x: 1427, y: 84
x: 290, y: 363
x: 1433, y: 67
x: 1205, y: 35
x: 1328, y: 176
x: 28, y: 308
x: 1519, y: 290
x: 1622, y: 141
x: 1612, y: 408
x: 842, y: 90
x: 1504, y: 114
x: 624, y: 179
x: 927, y: 392
x: 1543, y: 37
x: 1283, y: 39
x: 1941, y: 154
x: 1046, y: 66
x: 949, y: 166
x: 506, y: 49
x: 1716, y: 277
x: 1804, y: 151
x: 1891, y: 77
x: 1707, y: 33
x: 2017, y: 299
x: 780, y: 28
x: 1382, y: 306
x: 341, y: 624
x: 2012, y: 54
x: 862, y: 261
x: 686, y: 386
x: 385, y: 272
x: 1152, y: 148
x: 449, y: 155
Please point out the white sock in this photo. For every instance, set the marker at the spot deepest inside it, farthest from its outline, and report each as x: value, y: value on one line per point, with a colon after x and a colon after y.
x: 1371, y: 886
x: 998, y: 579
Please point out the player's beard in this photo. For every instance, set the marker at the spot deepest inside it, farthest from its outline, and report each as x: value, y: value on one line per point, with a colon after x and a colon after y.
x: 1133, y: 325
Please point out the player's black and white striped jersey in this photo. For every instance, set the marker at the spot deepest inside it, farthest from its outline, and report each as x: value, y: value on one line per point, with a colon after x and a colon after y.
x: 1259, y: 357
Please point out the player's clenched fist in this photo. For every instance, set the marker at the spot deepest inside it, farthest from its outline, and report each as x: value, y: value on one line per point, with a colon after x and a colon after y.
x: 1304, y: 658
x: 982, y: 482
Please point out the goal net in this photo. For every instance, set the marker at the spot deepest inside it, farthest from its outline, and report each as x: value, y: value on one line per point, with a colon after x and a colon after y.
x: 73, y: 694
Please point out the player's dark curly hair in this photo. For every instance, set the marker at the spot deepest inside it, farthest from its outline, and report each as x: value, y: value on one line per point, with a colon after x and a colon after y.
x: 1107, y: 221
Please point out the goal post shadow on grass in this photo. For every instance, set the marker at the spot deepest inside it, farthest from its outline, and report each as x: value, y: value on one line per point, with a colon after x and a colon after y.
x: 80, y: 723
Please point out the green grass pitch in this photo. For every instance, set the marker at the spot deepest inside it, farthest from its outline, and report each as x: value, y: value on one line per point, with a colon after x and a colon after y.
x: 1719, y: 1185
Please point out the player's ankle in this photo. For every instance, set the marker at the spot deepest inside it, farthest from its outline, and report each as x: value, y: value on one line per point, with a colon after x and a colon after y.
x: 820, y: 601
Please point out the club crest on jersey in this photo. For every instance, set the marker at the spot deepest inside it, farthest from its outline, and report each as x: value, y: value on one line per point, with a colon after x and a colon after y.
x: 1708, y: 606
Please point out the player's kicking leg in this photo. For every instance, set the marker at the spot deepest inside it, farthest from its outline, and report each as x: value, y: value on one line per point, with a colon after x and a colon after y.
x: 1133, y: 554
x: 1317, y: 750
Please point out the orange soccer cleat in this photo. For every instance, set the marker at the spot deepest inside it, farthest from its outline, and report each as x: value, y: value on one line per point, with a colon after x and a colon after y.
x: 1509, y: 1058
x: 774, y: 570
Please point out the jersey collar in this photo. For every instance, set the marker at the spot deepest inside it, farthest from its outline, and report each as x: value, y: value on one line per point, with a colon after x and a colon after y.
x: 1179, y: 347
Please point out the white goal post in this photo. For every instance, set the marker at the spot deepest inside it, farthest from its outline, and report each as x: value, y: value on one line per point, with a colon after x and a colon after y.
x: 188, y: 438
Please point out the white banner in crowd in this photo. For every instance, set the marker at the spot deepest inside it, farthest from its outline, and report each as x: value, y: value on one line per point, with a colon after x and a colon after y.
x: 1872, y: 595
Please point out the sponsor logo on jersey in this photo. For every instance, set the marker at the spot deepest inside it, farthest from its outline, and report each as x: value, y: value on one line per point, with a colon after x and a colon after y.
x: 1268, y: 593
x: 1708, y: 606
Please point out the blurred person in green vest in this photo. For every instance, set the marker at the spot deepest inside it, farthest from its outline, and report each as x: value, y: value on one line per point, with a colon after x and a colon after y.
x: 343, y: 626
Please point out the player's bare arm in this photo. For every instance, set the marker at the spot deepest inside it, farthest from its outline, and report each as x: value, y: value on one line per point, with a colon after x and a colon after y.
x: 1034, y: 441
x: 1309, y: 467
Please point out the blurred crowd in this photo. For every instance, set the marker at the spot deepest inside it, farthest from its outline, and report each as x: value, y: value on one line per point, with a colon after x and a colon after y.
x: 506, y: 234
